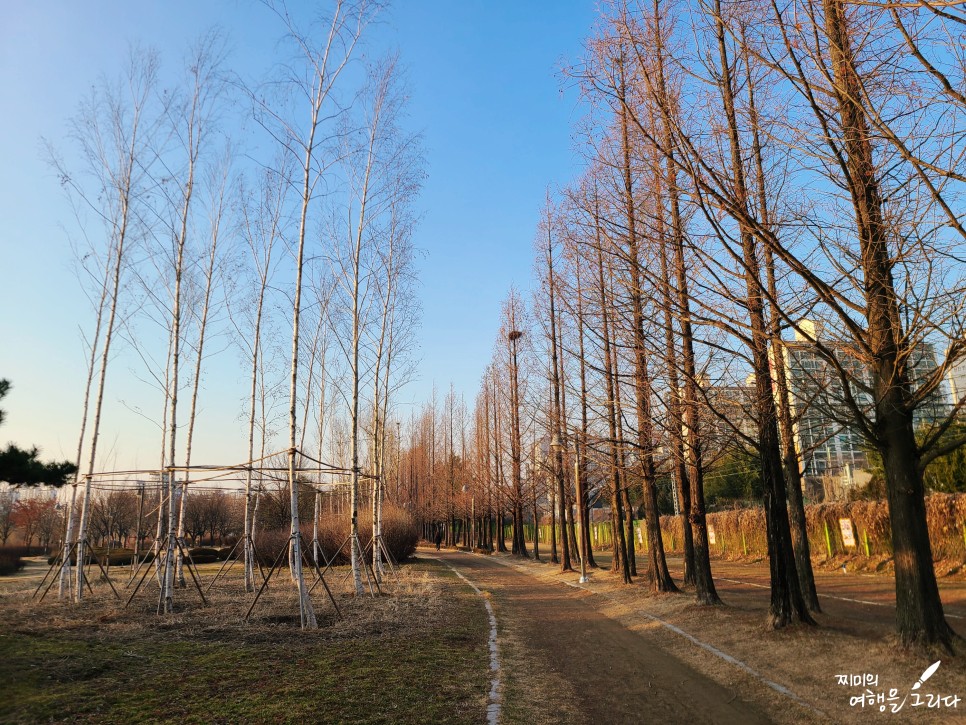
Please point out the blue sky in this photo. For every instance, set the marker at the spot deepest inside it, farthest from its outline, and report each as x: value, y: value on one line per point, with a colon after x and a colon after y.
x: 487, y: 94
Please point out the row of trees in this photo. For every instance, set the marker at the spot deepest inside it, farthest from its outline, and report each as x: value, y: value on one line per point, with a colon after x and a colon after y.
x: 198, y: 241
x: 750, y: 166
x: 32, y: 519
x: 119, y: 517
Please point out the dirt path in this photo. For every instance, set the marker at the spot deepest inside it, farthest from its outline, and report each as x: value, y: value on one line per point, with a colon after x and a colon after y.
x: 614, y: 675
x: 866, y: 602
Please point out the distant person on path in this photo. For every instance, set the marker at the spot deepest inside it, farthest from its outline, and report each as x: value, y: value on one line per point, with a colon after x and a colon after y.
x: 438, y: 537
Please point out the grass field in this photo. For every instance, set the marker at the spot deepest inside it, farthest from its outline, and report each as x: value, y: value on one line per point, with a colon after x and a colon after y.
x: 400, y: 658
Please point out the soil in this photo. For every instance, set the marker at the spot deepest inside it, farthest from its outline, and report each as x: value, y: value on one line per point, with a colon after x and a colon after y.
x: 596, y: 653
x: 606, y: 652
x: 617, y: 675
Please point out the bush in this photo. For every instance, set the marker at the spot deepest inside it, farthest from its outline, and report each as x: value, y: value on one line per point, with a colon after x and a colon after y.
x: 117, y: 557
x: 399, y: 533
x: 204, y: 555
x: 741, y: 531
x: 269, y: 544
x: 10, y: 560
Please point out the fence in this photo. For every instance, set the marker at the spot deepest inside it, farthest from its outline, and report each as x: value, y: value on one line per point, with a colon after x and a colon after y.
x: 741, y: 532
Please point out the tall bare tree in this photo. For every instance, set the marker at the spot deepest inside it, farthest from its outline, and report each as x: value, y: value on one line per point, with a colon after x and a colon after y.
x: 110, y: 131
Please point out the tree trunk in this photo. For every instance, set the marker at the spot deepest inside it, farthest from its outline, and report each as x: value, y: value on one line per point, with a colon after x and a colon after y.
x: 787, y: 602
x: 557, y: 413
x: 919, y: 612
x: 661, y: 577
x: 621, y: 563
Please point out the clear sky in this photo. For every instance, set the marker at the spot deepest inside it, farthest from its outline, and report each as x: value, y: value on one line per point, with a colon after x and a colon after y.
x: 487, y: 94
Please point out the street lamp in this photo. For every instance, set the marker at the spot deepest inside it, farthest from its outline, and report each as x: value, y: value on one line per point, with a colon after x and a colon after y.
x: 558, y: 445
x: 519, y: 543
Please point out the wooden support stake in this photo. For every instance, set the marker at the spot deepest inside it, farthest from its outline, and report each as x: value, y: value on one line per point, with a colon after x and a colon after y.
x: 271, y: 571
x: 191, y: 570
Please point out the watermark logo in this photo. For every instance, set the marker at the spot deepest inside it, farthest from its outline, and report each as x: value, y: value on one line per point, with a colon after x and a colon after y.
x: 871, y: 696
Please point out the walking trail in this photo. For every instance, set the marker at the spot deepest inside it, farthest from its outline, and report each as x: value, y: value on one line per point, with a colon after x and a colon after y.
x: 614, y: 675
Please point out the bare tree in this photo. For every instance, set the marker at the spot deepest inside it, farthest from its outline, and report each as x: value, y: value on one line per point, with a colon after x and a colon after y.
x: 219, y: 186
x: 319, y: 67
x: 110, y: 132
x: 192, y: 122
x: 263, y: 224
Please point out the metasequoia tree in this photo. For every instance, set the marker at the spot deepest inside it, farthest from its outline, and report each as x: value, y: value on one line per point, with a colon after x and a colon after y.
x: 900, y: 281
x: 790, y: 458
x: 575, y: 304
x: 787, y: 602
x: 660, y: 576
x: 621, y: 561
x: 869, y: 261
x: 556, y: 406
x: 676, y: 303
x: 786, y: 597
x: 511, y: 332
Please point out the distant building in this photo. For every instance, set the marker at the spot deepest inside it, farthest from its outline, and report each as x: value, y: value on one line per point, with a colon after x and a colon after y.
x: 25, y: 493
x: 832, y: 450
x: 734, y: 406
x: 956, y: 379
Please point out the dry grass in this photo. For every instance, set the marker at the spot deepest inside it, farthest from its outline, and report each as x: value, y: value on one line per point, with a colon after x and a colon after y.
x: 415, y: 654
x: 740, y: 533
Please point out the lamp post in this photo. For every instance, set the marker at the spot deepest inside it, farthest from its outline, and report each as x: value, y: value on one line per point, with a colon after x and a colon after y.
x: 519, y: 542
x: 561, y: 447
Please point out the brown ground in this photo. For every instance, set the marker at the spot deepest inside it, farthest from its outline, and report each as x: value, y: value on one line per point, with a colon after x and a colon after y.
x: 598, y: 654
x: 595, y: 656
x: 603, y: 653
x: 862, y: 600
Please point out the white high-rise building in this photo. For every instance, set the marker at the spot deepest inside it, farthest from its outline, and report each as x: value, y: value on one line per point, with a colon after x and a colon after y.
x: 833, y: 451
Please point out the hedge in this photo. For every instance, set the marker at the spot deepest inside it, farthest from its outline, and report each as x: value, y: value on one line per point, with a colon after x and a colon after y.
x: 741, y: 532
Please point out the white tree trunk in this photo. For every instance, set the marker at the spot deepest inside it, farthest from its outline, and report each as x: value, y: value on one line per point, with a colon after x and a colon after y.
x: 82, y: 540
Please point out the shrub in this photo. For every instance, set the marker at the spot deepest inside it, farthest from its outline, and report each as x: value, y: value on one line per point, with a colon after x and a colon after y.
x: 399, y: 533
x: 10, y: 560
x: 269, y: 544
x: 205, y: 555
x: 742, y: 531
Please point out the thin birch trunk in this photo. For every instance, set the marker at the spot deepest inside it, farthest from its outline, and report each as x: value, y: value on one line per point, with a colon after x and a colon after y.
x: 65, y: 569
x: 202, y: 329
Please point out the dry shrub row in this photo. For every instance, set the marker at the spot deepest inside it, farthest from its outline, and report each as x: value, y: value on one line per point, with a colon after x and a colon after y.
x: 741, y: 532
x: 399, y: 533
x: 11, y: 560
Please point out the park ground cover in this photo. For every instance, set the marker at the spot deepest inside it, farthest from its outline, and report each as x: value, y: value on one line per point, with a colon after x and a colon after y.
x: 417, y: 654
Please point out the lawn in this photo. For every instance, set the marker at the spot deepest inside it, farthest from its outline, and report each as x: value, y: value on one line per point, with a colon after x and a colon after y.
x: 417, y: 654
